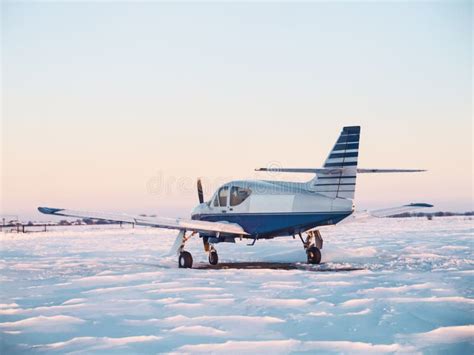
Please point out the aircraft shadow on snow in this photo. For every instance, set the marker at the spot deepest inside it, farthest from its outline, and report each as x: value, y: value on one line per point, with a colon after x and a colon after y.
x: 251, y: 265
x: 274, y: 266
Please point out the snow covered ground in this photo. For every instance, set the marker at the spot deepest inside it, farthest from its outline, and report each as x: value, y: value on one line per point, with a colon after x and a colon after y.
x: 96, y: 290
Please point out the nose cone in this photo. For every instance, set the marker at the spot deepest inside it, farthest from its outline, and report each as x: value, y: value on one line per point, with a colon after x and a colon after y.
x: 198, y: 210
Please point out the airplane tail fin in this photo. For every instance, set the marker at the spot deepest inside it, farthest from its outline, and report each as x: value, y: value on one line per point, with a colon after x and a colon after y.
x: 342, y: 160
x: 337, y: 177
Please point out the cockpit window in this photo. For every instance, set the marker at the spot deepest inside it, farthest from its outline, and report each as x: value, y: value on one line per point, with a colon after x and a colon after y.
x: 215, y: 203
x: 223, y: 193
x: 238, y: 195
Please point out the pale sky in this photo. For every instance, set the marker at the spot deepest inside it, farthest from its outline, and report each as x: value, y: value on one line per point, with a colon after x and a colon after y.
x: 120, y: 106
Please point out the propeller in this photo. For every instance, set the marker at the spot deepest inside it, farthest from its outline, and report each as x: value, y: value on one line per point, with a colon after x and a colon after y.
x: 200, y: 193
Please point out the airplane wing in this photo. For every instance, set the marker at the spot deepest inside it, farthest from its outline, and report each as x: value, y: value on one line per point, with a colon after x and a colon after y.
x: 158, y: 222
x: 393, y: 211
x: 384, y: 212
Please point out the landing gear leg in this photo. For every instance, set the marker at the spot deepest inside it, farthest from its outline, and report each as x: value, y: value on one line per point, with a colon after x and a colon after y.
x: 212, y: 252
x: 313, y: 245
x: 185, y: 259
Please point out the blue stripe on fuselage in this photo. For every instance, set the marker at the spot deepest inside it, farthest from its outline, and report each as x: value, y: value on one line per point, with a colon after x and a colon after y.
x: 276, y: 224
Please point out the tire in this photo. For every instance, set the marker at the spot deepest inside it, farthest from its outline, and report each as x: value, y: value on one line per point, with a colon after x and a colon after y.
x: 314, y: 255
x: 213, y: 257
x: 185, y: 260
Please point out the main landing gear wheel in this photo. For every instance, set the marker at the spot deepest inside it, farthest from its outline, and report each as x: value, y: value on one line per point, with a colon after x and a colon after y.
x: 313, y: 245
x: 213, y: 257
x: 314, y: 255
x: 185, y: 260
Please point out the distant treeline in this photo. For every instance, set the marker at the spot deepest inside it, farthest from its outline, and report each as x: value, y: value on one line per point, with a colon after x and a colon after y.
x: 430, y: 215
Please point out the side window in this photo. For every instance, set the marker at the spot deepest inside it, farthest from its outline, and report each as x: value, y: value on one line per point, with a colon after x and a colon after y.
x: 238, y: 195
x: 223, y: 193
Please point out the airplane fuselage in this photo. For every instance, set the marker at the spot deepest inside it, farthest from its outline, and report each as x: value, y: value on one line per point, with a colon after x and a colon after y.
x: 267, y: 209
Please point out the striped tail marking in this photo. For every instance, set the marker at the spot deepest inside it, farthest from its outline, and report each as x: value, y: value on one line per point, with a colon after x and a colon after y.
x: 345, y: 155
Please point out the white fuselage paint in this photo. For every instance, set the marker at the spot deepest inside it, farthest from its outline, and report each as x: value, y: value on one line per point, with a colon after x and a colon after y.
x: 276, y: 196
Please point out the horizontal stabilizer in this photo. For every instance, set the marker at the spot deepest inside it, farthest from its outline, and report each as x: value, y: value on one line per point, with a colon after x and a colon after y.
x: 158, y: 222
x: 338, y: 170
x: 303, y: 170
x: 368, y: 171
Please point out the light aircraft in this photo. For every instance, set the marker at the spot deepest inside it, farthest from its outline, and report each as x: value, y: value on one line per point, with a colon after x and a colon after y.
x: 261, y: 209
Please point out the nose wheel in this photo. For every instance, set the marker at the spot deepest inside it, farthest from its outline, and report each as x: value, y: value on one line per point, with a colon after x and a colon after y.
x: 213, y: 257
x: 211, y: 251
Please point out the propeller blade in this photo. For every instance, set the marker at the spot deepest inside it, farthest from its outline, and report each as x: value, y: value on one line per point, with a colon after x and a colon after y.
x: 200, y: 193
